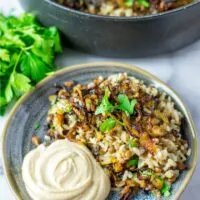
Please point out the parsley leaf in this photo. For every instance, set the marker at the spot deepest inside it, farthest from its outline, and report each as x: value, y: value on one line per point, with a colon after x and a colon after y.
x: 17, y: 85
x: 132, y: 143
x: 129, y: 3
x: 125, y: 105
x: 37, y: 69
x: 146, y: 173
x: 11, y: 41
x: 4, y: 55
x: 8, y: 93
x: 105, y: 105
x: 20, y: 83
x: 2, y: 101
x: 4, y: 67
x: 144, y: 3
x: 27, y: 19
x: 42, y: 49
x: 36, y: 125
x: 53, y: 34
x: 107, y: 125
x: 165, y: 190
x: 133, y: 162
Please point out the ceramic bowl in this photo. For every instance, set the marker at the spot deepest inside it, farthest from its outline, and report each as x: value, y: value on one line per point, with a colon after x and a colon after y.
x: 33, y: 107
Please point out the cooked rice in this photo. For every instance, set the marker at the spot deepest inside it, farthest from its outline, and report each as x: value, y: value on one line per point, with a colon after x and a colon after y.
x: 155, y: 128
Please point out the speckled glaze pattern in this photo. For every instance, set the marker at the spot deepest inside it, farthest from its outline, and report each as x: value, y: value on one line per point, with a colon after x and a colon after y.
x: 34, y: 106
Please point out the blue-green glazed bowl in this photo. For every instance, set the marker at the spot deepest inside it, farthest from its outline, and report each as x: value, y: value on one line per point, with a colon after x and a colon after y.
x: 16, y: 141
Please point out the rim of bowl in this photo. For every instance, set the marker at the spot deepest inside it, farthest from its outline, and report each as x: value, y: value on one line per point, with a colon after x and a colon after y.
x: 119, y: 18
x: 165, y: 87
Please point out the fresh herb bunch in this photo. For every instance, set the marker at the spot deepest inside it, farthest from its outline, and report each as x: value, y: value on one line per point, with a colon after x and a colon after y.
x: 27, y: 53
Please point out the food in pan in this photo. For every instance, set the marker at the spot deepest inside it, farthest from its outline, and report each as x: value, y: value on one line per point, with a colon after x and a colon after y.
x: 123, y: 7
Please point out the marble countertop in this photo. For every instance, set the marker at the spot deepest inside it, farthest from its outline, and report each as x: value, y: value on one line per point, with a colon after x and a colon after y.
x: 180, y: 70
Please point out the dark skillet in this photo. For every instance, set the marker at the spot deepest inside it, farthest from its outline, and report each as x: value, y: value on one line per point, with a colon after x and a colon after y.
x: 121, y: 36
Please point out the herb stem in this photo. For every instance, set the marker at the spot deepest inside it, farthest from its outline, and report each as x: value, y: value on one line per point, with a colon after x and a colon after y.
x: 28, y: 48
x: 21, y: 29
x: 15, y: 66
x: 118, y: 121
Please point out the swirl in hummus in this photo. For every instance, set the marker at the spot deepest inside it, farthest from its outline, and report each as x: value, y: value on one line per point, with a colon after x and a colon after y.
x: 64, y: 170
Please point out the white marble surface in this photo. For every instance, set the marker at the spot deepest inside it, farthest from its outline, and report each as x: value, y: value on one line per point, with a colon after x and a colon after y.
x: 181, y: 70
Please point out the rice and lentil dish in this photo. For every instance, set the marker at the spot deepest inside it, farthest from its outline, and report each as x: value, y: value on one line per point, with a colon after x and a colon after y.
x: 132, y: 130
x: 123, y: 7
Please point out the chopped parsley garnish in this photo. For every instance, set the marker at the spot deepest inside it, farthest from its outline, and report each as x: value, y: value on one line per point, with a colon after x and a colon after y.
x: 132, y: 143
x: 165, y: 190
x: 129, y: 3
x: 105, y: 106
x: 107, y: 125
x: 144, y: 3
x: 133, y: 162
x: 36, y: 125
x: 146, y: 173
x: 125, y: 104
x: 52, y: 126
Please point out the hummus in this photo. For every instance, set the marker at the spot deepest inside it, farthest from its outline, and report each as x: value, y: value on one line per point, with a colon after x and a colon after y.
x: 64, y: 170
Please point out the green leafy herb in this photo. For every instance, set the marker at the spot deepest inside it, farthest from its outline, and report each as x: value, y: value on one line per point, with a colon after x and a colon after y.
x: 36, y: 125
x: 105, y: 105
x: 37, y: 69
x: 165, y: 190
x: 4, y: 55
x: 52, y: 126
x: 27, y: 53
x: 133, y: 162
x: 132, y: 143
x: 129, y: 3
x: 20, y: 84
x: 69, y: 108
x: 144, y: 3
x: 146, y: 173
x: 50, y: 73
x: 107, y: 125
x: 3, y: 102
x: 125, y: 105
